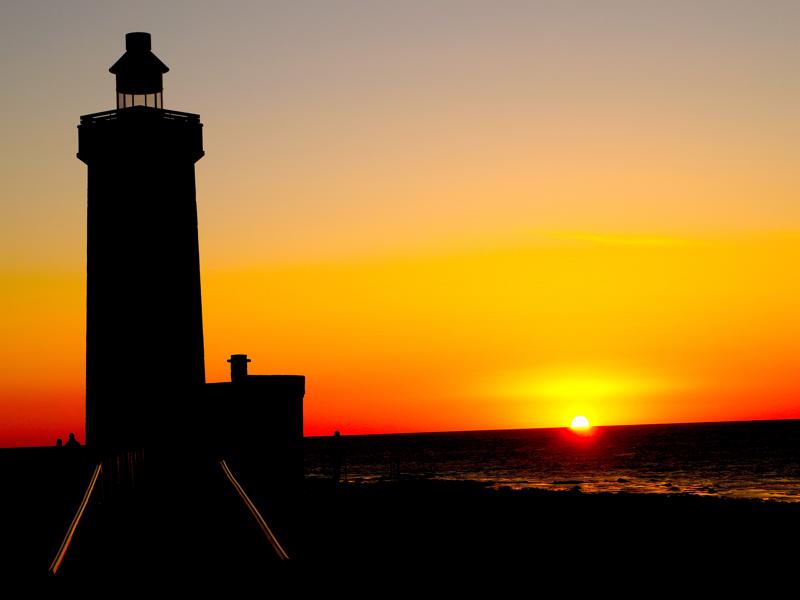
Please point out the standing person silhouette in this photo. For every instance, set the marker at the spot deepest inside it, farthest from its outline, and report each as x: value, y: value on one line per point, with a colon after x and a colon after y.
x: 72, y: 442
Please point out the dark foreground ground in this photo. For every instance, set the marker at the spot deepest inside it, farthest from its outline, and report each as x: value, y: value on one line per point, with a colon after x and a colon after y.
x: 197, y: 526
x: 409, y: 522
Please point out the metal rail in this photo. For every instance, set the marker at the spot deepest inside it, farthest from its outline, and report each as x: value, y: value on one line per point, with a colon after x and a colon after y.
x: 254, y: 511
x: 122, y: 113
x: 76, y: 519
x: 62, y: 550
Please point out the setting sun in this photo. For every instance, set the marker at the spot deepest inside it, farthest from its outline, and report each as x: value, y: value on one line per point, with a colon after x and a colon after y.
x: 580, y: 423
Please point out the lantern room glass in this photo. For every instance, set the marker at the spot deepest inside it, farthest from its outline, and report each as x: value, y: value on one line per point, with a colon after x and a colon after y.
x: 152, y: 100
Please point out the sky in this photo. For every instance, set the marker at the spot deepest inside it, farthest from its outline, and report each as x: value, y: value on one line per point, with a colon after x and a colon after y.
x: 448, y: 215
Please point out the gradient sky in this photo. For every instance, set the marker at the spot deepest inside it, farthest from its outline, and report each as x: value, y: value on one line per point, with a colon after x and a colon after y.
x: 447, y: 215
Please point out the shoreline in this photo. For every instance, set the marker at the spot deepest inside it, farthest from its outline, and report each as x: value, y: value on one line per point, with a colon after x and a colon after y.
x: 566, y: 486
x: 413, y: 484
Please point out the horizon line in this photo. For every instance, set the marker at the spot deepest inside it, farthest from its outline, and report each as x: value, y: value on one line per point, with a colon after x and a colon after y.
x: 428, y: 432
x: 556, y: 427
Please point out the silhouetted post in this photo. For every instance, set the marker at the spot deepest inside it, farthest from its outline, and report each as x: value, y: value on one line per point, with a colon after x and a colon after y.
x: 143, y: 266
x: 337, y: 455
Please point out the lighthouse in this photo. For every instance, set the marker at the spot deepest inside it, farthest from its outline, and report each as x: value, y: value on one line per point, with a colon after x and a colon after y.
x: 144, y: 326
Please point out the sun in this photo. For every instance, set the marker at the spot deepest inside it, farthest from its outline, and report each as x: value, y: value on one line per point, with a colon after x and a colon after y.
x: 580, y: 423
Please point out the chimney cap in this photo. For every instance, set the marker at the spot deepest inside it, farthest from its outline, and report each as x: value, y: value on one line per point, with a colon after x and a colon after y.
x: 239, y: 358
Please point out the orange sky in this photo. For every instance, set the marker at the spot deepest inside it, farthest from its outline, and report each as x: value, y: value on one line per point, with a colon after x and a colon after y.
x: 447, y: 217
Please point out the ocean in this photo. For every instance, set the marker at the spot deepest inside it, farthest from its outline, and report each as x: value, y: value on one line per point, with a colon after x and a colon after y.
x: 756, y: 459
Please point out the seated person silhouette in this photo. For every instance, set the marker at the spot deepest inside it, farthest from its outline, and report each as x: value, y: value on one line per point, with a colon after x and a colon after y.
x: 72, y: 442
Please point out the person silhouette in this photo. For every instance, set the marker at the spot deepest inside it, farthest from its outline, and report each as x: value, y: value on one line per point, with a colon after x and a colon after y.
x: 72, y: 442
x: 59, y: 443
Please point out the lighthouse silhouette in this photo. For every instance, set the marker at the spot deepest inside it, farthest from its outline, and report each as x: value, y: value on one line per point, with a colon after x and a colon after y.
x: 144, y: 324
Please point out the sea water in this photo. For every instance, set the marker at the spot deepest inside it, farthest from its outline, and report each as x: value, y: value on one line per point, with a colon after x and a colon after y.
x: 756, y: 459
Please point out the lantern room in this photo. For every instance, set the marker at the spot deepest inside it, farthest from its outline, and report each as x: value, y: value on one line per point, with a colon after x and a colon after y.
x: 139, y: 74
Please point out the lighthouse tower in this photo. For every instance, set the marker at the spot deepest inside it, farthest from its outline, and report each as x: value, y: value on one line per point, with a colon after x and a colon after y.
x: 144, y: 326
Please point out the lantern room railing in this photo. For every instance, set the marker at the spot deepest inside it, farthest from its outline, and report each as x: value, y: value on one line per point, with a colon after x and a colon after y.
x: 112, y: 115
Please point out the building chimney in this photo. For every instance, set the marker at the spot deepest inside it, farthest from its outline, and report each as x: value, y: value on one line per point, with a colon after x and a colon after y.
x: 238, y: 367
